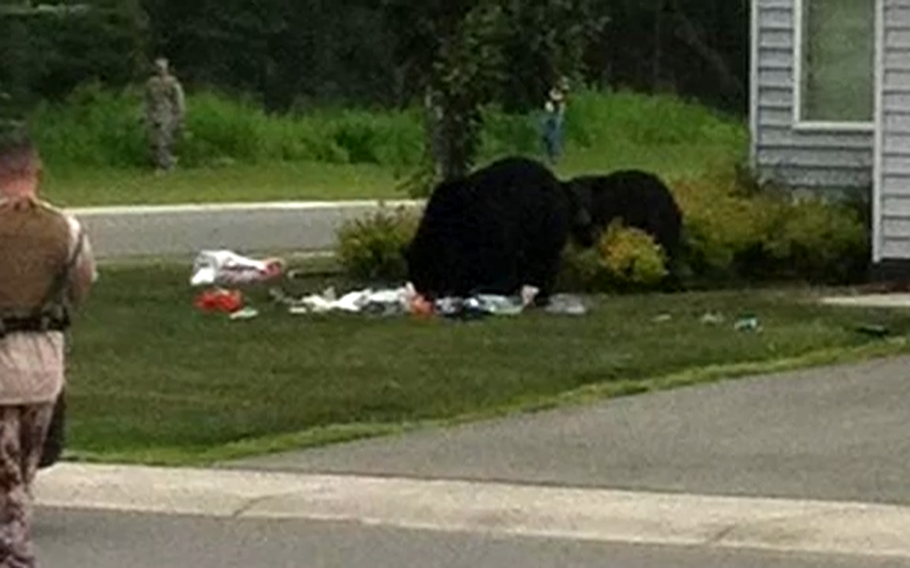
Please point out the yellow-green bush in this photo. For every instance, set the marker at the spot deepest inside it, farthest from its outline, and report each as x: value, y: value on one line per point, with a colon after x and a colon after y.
x: 735, y: 233
x: 625, y: 259
x: 819, y: 242
x: 722, y: 226
x: 372, y: 248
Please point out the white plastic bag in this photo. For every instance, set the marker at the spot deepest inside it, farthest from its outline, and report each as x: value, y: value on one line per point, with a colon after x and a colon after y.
x: 227, y: 268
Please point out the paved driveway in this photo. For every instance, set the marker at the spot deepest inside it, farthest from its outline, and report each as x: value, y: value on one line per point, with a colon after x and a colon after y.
x: 833, y: 433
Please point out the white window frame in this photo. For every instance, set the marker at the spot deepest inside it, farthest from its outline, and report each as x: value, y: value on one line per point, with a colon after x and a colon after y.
x: 809, y: 125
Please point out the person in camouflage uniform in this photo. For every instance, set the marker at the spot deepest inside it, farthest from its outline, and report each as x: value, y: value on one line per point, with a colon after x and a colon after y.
x: 164, y: 114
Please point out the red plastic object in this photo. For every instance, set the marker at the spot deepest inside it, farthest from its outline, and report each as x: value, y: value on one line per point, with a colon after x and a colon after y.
x: 228, y: 301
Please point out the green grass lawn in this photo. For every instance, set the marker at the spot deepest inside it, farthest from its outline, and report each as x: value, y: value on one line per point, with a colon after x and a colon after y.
x: 154, y: 381
x: 322, y: 181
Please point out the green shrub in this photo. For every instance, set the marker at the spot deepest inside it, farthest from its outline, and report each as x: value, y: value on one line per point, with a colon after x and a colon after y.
x: 101, y: 128
x: 723, y: 228
x: 92, y: 128
x: 372, y: 248
x: 736, y: 230
x: 626, y: 259
x: 820, y: 242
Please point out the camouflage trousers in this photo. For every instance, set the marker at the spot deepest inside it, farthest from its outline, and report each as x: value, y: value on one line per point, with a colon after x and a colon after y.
x: 22, y: 433
x: 161, y: 140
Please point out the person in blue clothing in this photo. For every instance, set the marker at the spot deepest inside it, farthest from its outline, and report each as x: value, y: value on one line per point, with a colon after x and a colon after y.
x: 554, y: 118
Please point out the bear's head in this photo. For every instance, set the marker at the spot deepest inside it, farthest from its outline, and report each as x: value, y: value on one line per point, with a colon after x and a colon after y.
x: 583, y: 229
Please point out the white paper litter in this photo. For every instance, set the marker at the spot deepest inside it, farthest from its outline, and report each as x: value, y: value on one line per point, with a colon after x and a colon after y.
x: 226, y: 268
x: 355, y: 301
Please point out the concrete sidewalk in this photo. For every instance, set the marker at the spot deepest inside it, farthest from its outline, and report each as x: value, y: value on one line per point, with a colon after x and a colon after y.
x: 567, y: 514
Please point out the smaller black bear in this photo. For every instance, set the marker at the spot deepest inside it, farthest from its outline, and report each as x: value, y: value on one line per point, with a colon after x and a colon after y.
x: 639, y: 199
x: 500, y: 228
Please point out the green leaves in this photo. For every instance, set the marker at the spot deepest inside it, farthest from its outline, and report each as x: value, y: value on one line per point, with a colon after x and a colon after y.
x: 471, y: 55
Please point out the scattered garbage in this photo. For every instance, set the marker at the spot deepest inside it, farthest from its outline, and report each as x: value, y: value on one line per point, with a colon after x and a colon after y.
x: 712, y: 318
x: 223, y: 270
x: 663, y: 318
x: 748, y: 323
x: 227, y: 268
x: 421, y: 307
x: 244, y: 314
x: 386, y: 302
x: 566, y: 304
x: 219, y: 300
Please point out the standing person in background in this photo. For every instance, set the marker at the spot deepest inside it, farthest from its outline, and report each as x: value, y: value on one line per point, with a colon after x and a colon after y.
x: 433, y: 114
x: 165, y: 110
x: 554, y: 118
x: 47, y: 266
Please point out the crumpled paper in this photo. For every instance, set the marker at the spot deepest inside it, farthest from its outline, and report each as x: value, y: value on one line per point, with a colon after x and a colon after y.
x: 386, y: 302
x: 227, y: 268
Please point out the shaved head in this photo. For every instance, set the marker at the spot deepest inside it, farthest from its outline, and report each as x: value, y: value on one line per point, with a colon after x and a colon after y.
x: 20, y: 163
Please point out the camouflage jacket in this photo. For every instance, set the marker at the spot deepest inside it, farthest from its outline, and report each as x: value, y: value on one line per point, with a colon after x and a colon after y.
x: 164, y: 100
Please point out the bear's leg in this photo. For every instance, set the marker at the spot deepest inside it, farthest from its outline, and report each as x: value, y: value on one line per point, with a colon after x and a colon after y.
x: 540, y: 268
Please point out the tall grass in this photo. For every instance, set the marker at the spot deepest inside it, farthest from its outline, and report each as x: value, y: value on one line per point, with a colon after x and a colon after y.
x: 96, y: 128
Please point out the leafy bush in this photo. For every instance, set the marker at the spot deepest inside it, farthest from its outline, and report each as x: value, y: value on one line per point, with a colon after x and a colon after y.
x: 372, y: 248
x: 631, y: 256
x: 820, y: 242
x: 625, y: 259
x: 737, y: 230
x: 723, y: 228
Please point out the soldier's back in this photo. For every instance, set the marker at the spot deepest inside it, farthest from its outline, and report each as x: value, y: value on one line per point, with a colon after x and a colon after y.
x: 34, y: 243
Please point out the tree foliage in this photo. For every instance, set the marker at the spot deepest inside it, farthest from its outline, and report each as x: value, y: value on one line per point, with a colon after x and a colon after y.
x: 474, y: 52
x: 292, y: 53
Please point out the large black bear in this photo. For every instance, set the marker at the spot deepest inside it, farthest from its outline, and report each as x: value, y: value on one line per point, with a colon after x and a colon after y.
x: 639, y: 199
x: 500, y: 228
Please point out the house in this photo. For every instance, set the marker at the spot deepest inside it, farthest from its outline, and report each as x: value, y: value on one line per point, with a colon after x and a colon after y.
x: 830, y: 107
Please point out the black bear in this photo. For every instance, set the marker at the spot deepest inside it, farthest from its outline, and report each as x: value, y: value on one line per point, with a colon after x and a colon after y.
x: 639, y: 199
x: 491, y: 232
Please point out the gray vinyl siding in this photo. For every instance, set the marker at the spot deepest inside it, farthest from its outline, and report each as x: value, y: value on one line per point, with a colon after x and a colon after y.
x: 894, y: 172
x: 811, y: 160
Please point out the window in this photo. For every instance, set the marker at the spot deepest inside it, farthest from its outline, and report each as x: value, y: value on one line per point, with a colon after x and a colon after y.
x: 836, y: 61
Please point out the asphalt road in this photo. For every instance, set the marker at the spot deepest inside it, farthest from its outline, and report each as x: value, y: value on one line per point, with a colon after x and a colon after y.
x: 183, y: 230
x: 101, y: 540
x: 831, y: 434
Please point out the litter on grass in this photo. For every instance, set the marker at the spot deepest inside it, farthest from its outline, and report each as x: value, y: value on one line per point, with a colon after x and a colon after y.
x: 220, y: 270
x: 227, y: 268
x: 406, y: 301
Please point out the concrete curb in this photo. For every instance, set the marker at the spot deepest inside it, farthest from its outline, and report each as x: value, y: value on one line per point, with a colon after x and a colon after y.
x: 128, y: 210
x: 455, y: 506
x: 897, y: 300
